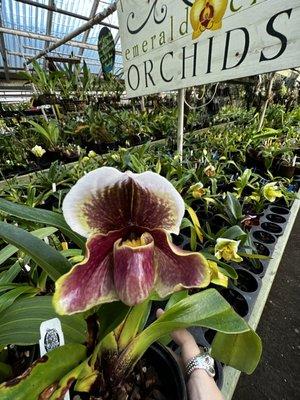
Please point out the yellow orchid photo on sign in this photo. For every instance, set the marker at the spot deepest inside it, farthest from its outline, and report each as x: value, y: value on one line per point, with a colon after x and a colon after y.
x: 207, y: 14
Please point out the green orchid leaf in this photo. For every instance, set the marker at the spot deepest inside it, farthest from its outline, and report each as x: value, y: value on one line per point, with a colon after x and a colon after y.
x: 9, y: 297
x: 175, y: 298
x: 207, y: 309
x: 43, y: 217
x: 234, y: 206
x: 234, y: 232
x: 110, y: 316
x: 49, y: 259
x: 20, y: 323
x: 5, y: 371
x: 133, y: 322
x: 83, y: 374
x: 254, y: 256
x: 44, y: 373
x: 10, y: 250
x: 234, y: 350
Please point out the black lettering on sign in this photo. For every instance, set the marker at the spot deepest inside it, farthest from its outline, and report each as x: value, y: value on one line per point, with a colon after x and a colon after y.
x: 185, y: 58
x: 163, y: 11
x: 272, y: 32
x: 148, y: 72
x: 171, y: 53
x: 129, y: 77
x: 245, y: 51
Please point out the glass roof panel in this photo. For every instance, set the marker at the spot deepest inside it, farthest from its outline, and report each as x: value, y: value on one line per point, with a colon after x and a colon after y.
x: 31, y: 19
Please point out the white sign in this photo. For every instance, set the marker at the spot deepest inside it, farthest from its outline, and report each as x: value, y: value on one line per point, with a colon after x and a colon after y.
x: 51, y: 337
x: 172, y: 44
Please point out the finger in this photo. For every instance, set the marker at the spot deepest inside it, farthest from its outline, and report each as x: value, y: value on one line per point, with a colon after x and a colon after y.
x: 159, y: 312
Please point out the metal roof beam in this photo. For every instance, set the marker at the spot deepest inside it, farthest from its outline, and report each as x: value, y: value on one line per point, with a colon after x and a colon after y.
x: 3, y: 51
x: 88, y: 25
x: 64, y: 12
x: 49, y: 21
x: 90, y: 61
x: 86, y: 33
x: 38, y: 36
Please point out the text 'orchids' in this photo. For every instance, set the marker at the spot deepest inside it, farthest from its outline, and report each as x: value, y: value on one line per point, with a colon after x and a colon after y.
x: 128, y: 219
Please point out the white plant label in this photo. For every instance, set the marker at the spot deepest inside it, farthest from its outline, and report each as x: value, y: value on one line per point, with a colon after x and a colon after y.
x: 51, y: 337
x: 172, y: 44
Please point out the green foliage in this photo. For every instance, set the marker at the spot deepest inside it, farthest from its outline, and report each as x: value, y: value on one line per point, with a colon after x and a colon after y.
x: 20, y: 322
x: 47, y: 370
x: 49, y: 259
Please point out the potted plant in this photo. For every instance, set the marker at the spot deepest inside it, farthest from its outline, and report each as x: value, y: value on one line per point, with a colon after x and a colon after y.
x: 130, y: 262
x: 286, y: 165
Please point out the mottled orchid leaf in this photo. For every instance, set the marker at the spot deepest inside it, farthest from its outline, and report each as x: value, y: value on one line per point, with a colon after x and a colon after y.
x: 44, y: 374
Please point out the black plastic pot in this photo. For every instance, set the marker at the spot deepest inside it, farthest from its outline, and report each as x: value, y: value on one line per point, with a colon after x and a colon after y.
x: 262, y: 249
x: 236, y: 300
x: 168, y: 370
x: 279, y: 210
x: 264, y: 237
x: 286, y: 171
x: 272, y: 227
x: 276, y: 219
x: 246, y: 282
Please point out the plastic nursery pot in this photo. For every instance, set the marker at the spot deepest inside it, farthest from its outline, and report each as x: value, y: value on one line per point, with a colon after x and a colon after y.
x: 246, y: 281
x: 167, y: 368
x: 262, y: 249
x: 236, y: 300
x: 254, y: 266
x: 286, y: 171
x: 279, y: 210
x: 277, y: 219
x: 264, y: 237
x: 272, y: 227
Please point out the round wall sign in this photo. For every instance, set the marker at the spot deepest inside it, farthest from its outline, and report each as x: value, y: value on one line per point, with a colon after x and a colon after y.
x: 106, y: 50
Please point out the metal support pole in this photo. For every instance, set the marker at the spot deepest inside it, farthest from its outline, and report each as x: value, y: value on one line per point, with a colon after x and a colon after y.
x: 268, y: 98
x: 63, y: 12
x: 143, y: 108
x: 88, y: 25
x: 181, y: 93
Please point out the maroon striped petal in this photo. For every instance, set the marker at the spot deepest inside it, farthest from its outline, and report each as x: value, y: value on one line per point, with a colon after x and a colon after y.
x: 134, y: 272
x: 91, y: 282
x: 106, y: 200
x: 177, y: 269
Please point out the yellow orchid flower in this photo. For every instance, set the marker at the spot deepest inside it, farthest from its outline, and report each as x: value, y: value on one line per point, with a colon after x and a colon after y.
x: 197, y: 190
x: 210, y: 171
x: 38, y: 151
x: 227, y: 249
x: 207, y: 14
x: 271, y: 191
x: 217, y: 277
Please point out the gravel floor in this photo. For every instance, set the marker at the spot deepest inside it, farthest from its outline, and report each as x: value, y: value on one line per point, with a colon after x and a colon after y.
x: 277, y: 376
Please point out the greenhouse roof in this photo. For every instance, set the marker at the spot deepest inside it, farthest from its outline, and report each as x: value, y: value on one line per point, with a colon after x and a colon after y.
x: 27, y: 28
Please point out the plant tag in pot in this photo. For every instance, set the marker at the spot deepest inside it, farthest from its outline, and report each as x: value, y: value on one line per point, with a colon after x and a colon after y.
x: 51, y: 337
x: 53, y: 187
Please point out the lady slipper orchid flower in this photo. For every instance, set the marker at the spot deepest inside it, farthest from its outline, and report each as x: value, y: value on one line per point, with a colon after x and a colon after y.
x: 197, y: 190
x: 127, y: 219
x: 217, y: 277
x: 227, y: 249
x: 210, y: 171
x: 38, y: 151
x: 271, y: 191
